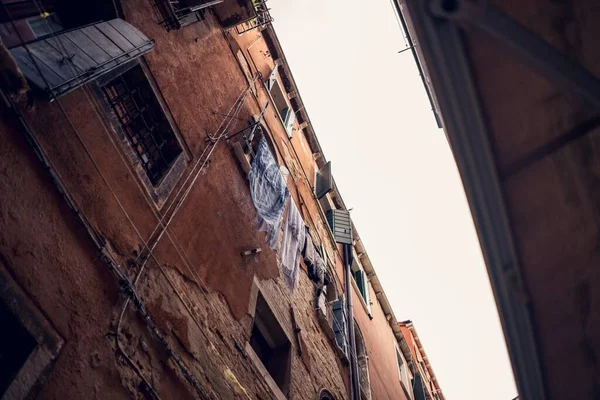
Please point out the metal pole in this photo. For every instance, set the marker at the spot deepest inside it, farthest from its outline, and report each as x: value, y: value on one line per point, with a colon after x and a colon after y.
x: 354, y: 379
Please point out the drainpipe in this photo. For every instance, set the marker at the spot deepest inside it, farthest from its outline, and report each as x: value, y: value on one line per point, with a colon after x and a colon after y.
x: 354, y: 379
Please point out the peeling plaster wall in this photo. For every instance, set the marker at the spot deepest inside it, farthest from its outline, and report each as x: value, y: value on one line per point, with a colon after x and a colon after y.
x: 198, y: 288
x: 199, y: 291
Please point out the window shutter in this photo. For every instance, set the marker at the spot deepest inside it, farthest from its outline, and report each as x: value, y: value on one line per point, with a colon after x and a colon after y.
x: 367, y: 294
x: 323, y: 181
x: 360, y: 282
x: 341, y: 226
x: 272, y: 78
x: 339, y: 324
x: 289, y: 119
x: 107, y: 45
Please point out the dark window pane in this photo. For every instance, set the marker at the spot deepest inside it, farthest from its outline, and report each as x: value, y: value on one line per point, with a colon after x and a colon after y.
x: 16, y: 345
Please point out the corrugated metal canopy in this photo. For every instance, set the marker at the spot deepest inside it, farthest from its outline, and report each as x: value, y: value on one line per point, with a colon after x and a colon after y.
x: 60, y: 63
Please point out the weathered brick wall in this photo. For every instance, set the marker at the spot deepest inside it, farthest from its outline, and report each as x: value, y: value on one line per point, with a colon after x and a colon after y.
x: 197, y: 287
x: 199, y: 291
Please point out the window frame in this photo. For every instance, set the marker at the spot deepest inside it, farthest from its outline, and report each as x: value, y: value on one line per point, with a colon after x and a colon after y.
x: 49, y: 342
x: 281, y: 393
x: 160, y: 191
x: 403, y: 367
x: 365, y: 300
x: 289, y: 120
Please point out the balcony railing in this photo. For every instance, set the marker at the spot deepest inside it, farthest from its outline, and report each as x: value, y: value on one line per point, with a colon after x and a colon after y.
x: 175, y: 14
x: 262, y: 18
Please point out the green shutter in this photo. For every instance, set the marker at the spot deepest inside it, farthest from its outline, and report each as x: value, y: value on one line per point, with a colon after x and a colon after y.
x: 360, y: 282
x: 367, y: 294
x: 363, y: 287
x: 339, y: 323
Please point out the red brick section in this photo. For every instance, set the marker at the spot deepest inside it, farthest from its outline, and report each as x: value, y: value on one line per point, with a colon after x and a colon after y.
x: 553, y: 198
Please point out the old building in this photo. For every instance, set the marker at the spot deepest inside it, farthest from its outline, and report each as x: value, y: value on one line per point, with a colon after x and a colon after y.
x: 170, y: 227
x: 424, y: 379
x: 517, y: 86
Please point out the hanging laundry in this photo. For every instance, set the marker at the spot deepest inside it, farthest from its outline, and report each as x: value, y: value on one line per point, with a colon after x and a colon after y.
x: 318, y: 273
x: 269, y: 193
x: 292, y: 244
x: 309, y: 251
x: 314, y: 262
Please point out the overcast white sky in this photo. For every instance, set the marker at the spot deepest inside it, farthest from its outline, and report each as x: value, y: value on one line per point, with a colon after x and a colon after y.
x: 393, y: 166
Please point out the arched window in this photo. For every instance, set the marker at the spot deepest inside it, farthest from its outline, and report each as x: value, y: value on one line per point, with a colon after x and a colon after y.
x: 362, y: 360
x: 325, y: 394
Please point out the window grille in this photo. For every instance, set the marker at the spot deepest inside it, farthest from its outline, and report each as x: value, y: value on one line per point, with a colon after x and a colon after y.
x: 143, y: 122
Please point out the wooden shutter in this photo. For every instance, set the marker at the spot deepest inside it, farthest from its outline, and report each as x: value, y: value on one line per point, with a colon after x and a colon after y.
x: 72, y: 58
x: 272, y: 78
x: 360, y: 282
x: 323, y: 181
x: 367, y: 295
x: 290, y: 118
x: 341, y: 226
x: 339, y: 324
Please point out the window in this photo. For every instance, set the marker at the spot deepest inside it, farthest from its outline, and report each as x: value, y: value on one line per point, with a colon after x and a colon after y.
x: 284, y: 109
x: 405, y: 379
x: 271, y: 345
x: 143, y: 122
x: 323, y: 181
x: 339, y: 321
x: 29, y: 343
x: 362, y: 283
x: 362, y: 359
x: 15, y: 347
x: 175, y: 14
x: 326, y: 395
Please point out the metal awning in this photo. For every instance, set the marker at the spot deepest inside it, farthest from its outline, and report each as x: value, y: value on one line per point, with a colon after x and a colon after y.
x: 60, y: 63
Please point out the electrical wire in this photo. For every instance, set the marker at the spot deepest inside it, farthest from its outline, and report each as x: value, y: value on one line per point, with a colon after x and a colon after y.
x: 184, y: 256
x: 135, y: 228
x: 212, y: 148
x: 178, y: 361
x: 178, y: 203
x: 175, y: 243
